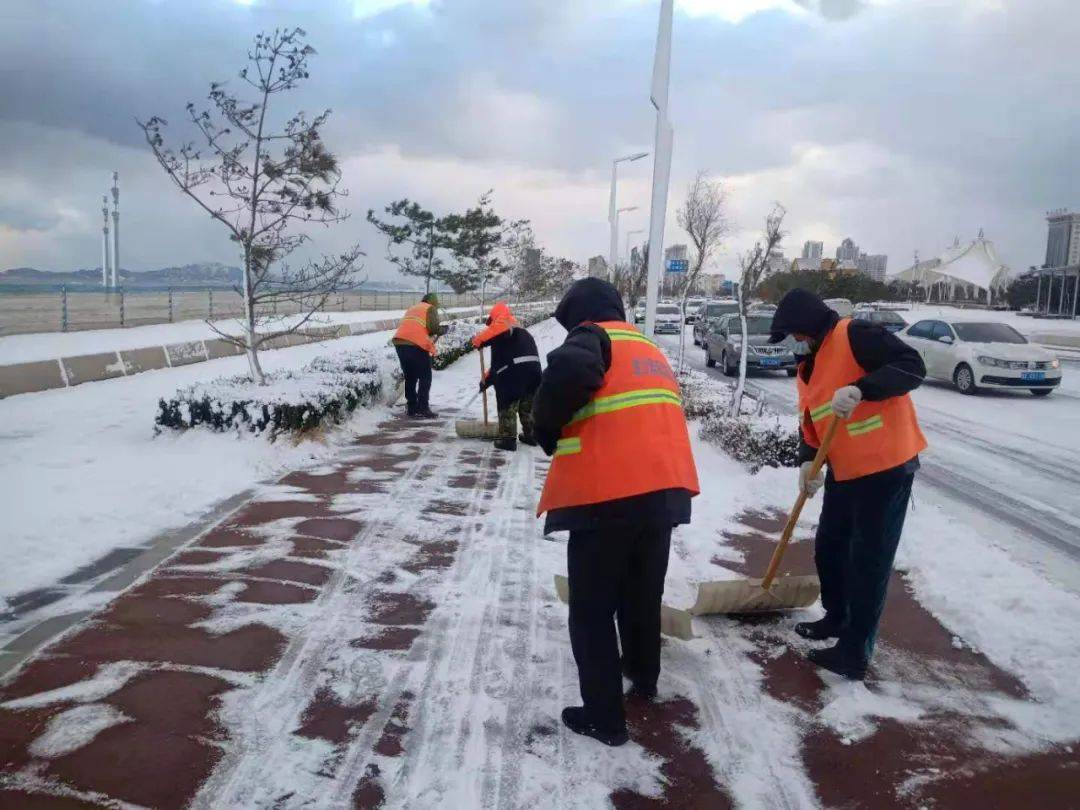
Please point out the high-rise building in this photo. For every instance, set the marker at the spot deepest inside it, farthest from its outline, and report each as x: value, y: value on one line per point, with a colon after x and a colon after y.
x: 598, y: 267
x: 677, y: 252
x: 812, y: 250
x: 848, y: 251
x: 776, y: 263
x: 1062, y: 239
x: 873, y: 265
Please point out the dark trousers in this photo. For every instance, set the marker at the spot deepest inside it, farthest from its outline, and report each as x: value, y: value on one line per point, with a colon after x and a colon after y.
x: 616, y: 574
x: 416, y: 365
x: 857, y: 535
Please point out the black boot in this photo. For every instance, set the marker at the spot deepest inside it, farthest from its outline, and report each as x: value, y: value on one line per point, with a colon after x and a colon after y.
x: 527, y: 438
x: 504, y: 443
x: 836, y: 659
x: 426, y: 413
x: 573, y: 718
x: 819, y: 630
x: 641, y: 692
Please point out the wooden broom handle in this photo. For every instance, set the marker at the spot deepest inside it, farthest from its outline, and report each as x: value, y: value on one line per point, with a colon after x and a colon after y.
x: 793, y: 518
x: 483, y: 373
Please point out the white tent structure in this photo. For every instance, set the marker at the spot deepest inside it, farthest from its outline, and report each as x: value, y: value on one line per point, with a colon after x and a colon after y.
x: 963, y: 272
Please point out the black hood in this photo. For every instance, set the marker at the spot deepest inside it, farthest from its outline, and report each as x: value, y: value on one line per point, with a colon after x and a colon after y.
x: 590, y: 299
x: 803, y: 312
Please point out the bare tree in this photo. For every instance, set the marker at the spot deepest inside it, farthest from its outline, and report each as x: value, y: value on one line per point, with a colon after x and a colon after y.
x: 753, y: 265
x: 703, y: 217
x: 260, y: 183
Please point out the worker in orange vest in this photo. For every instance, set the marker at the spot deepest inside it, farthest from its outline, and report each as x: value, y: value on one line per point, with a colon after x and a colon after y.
x: 609, y: 410
x: 414, y: 342
x: 514, y: 373
x: 862, y: 374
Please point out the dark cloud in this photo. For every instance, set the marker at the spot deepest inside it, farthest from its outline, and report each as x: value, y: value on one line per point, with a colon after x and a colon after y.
x: 926, y: 116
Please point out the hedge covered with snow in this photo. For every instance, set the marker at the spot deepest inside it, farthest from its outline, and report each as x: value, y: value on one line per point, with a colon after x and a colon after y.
x: 757, y: 437
x: 324, y: 392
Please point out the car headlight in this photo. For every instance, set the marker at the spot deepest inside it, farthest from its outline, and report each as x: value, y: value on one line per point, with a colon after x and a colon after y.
x: 1055, y: 363
x: 992, y: 361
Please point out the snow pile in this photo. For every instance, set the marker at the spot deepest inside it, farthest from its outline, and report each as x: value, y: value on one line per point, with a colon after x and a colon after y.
x: 72, y: 729
x: 324, y: 391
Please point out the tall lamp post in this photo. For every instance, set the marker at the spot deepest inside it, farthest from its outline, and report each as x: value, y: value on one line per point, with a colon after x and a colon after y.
x: 613, y: 210
x: 661, y: 163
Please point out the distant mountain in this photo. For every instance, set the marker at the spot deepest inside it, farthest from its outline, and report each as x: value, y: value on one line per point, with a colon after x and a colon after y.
x: 207, y: 274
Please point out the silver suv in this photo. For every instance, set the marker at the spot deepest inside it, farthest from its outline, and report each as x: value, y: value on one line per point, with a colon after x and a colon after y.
x: 709, y: 312
x: 723, y: 344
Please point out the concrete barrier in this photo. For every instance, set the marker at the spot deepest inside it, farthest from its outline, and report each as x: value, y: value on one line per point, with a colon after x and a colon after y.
x: 26, y: 378
x: 45, y: 375
x: 92, y: 367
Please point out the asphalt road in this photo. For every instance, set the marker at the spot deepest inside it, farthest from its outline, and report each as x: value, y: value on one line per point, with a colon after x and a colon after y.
x: 1009, y: 456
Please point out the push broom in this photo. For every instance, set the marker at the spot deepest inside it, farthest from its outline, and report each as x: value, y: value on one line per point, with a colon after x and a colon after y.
x: 474, y: 428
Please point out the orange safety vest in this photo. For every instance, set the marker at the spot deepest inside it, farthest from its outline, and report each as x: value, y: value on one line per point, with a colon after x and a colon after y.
x: 630, y: 438
x: 878, y: 436
x: 502, y: 319
x: 413, y: 327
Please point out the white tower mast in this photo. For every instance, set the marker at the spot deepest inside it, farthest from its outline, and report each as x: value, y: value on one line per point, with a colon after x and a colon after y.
x: 105, y: 242
x: 661, y: 162
x: 116, y: 229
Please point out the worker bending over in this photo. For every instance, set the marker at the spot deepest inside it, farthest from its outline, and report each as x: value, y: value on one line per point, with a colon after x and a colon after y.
x: 859, y: 373
x: 515, y: 373
x: 414, y: 342
x: 608, y: 409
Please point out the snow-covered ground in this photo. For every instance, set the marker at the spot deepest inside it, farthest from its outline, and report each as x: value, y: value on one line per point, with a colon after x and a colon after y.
x: 49, y: 345
x: 84, y: 474
x: 483, y: 682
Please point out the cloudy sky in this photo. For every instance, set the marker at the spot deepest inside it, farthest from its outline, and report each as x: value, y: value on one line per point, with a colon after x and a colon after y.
x: 901, y: 123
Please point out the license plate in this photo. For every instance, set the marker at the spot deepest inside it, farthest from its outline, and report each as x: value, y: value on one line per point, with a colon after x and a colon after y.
x: 770, y: 361
x: 1033, y: 375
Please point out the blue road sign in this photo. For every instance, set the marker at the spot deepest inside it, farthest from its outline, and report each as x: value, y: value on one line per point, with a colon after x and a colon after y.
x: 678, y: 265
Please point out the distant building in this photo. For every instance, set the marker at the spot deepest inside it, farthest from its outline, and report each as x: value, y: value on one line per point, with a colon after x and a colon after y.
x: 711, y: 284
x: 873, y: 265
x: 598, y: 267
x: 776, y: 263
x: 812, y: 250
x: 532, y: 261
x: 1062, y: 239
x: 806, y: 264
x: 848, y: 251
x: 677, y: 252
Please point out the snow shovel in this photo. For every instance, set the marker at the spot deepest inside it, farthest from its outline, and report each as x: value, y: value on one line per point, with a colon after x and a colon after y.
x: 673, y: 622
x: 769, y: 593
x: 474, y: 428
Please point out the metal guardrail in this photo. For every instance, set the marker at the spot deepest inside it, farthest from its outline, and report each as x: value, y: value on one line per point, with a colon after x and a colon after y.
x: 69, y: 310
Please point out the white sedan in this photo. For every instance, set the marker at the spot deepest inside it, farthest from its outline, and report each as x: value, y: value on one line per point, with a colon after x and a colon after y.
x: 976, y: 355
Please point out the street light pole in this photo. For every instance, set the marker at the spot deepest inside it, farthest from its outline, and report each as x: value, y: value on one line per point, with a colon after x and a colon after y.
x: 661, y: 162
x: 613, y: 211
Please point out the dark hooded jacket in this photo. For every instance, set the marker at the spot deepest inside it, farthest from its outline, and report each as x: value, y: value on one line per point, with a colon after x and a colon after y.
x: 512, y: 373
x: 892, y: 367
x: 575, y: 371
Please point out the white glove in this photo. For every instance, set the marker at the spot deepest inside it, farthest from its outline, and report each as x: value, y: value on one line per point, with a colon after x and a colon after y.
x: 807, y: 485
x: 844, y: 401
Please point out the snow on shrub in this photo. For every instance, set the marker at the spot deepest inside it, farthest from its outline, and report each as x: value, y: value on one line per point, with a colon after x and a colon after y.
x: 324, y: 391
x: 758, y: 437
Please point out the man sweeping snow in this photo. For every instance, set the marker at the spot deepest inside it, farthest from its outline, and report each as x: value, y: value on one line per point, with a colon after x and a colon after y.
x: 608, y: 410
x: 515, y: 374
x: 860, y: 373
x: 414, y: 342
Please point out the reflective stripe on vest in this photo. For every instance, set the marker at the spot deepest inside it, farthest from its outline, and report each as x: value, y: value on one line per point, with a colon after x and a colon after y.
x: 413, y: 327
x: 879, y: 436
x: 630, y: 439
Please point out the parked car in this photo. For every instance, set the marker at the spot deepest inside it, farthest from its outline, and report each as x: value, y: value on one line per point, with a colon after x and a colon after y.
x: 976, y: 355
x: 692, y: 307
x: 761, y: 309
x: 639, y: 311
x: 669, y: 319
x: 841, y: 306
x: 723, y: 345
x: 883, y: 317
x: 710, y: 311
